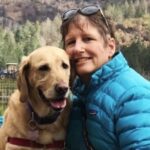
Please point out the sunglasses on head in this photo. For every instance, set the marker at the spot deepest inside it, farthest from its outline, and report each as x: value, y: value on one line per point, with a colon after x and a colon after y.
x: 87, y: 11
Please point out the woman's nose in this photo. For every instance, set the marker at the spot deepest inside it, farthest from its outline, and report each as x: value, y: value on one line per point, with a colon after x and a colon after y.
x: 78, y: 47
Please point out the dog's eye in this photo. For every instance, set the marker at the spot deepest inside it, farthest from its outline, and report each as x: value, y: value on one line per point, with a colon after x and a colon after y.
x: 65, y: 66
x: 44, y: 68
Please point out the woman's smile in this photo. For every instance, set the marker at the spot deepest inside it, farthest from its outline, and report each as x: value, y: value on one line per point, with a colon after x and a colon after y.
x: 82, y: 60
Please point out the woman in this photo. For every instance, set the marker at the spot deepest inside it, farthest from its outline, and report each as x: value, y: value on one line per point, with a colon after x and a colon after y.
x: 111, y: 106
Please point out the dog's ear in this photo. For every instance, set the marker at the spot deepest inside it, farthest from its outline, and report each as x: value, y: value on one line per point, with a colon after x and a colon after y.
x: 22, y: 81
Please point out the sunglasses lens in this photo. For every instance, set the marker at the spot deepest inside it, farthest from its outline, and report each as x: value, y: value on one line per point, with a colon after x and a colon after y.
x: 89, y: 10
x: 69, y: 14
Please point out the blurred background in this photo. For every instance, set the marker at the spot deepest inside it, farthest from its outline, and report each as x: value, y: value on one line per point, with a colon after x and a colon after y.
x: 28, y: 24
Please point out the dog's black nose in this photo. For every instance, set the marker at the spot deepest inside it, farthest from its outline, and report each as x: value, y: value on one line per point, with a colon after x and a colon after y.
x: 61, y: 89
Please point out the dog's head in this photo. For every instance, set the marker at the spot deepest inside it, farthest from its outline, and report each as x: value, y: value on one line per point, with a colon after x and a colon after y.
x: 43, y: 79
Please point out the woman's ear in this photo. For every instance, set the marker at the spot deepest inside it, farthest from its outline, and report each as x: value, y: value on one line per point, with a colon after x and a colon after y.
x: 111, y: 47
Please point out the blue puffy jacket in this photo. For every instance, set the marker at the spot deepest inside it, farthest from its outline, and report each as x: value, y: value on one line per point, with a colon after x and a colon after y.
x: 117, y: 108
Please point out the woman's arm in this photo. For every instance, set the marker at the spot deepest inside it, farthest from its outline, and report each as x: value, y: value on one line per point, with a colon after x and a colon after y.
x: 133, y: 119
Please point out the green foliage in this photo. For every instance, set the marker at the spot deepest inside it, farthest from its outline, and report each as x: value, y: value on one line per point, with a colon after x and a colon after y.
x: 130, y: 8
x: 2, y: 44
x: 50, y: 34
x: 27, y: 38
x: 145, y: 60
x: 138, y: 56
x: 7, y: 46
x: 115, y: 12
x: 141, y: 7
x: 15, y: 44
x: 9, y: 49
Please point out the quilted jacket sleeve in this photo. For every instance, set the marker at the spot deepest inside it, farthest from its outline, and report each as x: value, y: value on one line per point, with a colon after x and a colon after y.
x: 133, y: 119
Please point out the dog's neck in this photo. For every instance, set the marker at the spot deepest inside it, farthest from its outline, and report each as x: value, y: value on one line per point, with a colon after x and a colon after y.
x: 33, y: 134
x: 37, y: 120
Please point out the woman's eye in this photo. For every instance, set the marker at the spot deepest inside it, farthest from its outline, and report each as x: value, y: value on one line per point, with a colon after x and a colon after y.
x: 87, y: 39
x: 70, y: 43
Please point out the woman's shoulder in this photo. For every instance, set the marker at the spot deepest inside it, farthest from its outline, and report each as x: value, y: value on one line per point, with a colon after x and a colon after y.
x: 126, y: 83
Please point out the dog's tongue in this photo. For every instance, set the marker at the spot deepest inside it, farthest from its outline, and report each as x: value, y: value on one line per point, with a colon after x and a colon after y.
x: 58, y: 104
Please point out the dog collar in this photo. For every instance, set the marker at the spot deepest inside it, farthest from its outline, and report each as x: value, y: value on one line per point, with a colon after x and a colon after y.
x: 34, y: 144
x: 43, y: 120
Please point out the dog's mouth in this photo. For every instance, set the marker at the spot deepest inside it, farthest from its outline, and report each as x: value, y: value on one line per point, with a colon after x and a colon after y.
x: 57, y: 104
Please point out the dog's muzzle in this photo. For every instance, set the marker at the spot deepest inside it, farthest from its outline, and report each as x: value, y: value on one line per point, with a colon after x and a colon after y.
x: 59, y: 101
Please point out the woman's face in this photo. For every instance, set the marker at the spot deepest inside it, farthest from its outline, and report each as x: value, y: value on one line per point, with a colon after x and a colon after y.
x: 86, y: 48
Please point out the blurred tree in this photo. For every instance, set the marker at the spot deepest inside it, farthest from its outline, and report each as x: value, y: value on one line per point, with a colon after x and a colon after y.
x: 27, y: 38
x: 126, y: 8
x: 131, y: 10
x: 145, y: 60
x: 115, y: 12
x: 132, y: 54
x: 7, y: 47
x: 10, y: 47
x: 138, y: 56
x: 141, y: 7
x: 50, y: 34
x: 2, y: 61
x: 144, y: 6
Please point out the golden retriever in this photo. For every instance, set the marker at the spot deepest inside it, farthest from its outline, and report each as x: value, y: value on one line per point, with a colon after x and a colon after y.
x: 37, y: 113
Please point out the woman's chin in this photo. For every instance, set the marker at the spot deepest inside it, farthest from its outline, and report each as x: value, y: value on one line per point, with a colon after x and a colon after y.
x: 84, y: 71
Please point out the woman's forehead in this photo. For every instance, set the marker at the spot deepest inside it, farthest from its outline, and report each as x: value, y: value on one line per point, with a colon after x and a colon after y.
x: 80, y: 22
